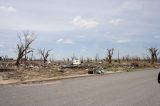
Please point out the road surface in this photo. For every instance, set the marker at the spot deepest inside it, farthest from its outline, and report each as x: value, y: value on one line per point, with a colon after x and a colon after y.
x: 139, y: 88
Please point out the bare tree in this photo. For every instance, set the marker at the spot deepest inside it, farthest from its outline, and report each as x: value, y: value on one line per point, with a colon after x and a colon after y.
x: 64, y: 60
x: 1, y: 58
x: 156, y: 55
x: 126, y: 58
x: 73, y: 57
x: 119, y: 61
x: 44, y: 53
x: 31, y: 56
x: 154, y: 52
x: 82, y: 59
x: 110, y: 54
x: 4, y: 58
x: 136, y: 58
x: 148, y: 58
x: 88, y: 59
x: 24, y: 46
x: 68, y: 60
x: 96, y: 58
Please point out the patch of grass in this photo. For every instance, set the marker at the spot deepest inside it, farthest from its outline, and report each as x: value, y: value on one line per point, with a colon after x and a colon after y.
x: 129, y: 69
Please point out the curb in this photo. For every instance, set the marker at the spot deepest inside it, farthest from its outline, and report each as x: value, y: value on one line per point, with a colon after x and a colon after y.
x: 33, y: 81
x: 54, y: 79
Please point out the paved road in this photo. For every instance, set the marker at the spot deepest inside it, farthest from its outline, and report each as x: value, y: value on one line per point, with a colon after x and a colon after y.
x: 138, y: 88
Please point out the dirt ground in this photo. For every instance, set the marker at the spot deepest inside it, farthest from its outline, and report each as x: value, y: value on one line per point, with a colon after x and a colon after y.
x: 37, y: 70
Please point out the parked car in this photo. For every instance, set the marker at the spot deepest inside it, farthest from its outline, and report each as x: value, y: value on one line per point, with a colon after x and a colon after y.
x: 76, y: 62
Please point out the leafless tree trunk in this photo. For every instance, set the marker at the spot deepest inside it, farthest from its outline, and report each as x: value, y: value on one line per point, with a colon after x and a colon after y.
x: 68, y: 60
x: 24, y: 46
x: 44, y: 53
x: 126, y: 58
x: 64, y: 60
x: 156, y: 55
x: 118, y: 58
x: 1, y: 58
x: 82, y: 59
x: 73, y: 57
x: 148, y: 59
x: 154, y: 52
x: 96, y: 58
x: 31, y: 56
x: 88, y: 59
x: 110, y: 54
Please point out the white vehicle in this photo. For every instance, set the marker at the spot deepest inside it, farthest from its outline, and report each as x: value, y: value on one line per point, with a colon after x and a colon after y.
x: 76, y: 62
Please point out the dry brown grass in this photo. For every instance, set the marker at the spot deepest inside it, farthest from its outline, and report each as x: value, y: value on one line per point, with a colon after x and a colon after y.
x: 36, y: 69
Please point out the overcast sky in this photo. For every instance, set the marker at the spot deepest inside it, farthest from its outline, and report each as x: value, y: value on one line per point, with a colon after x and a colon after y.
x: 81, y: 27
